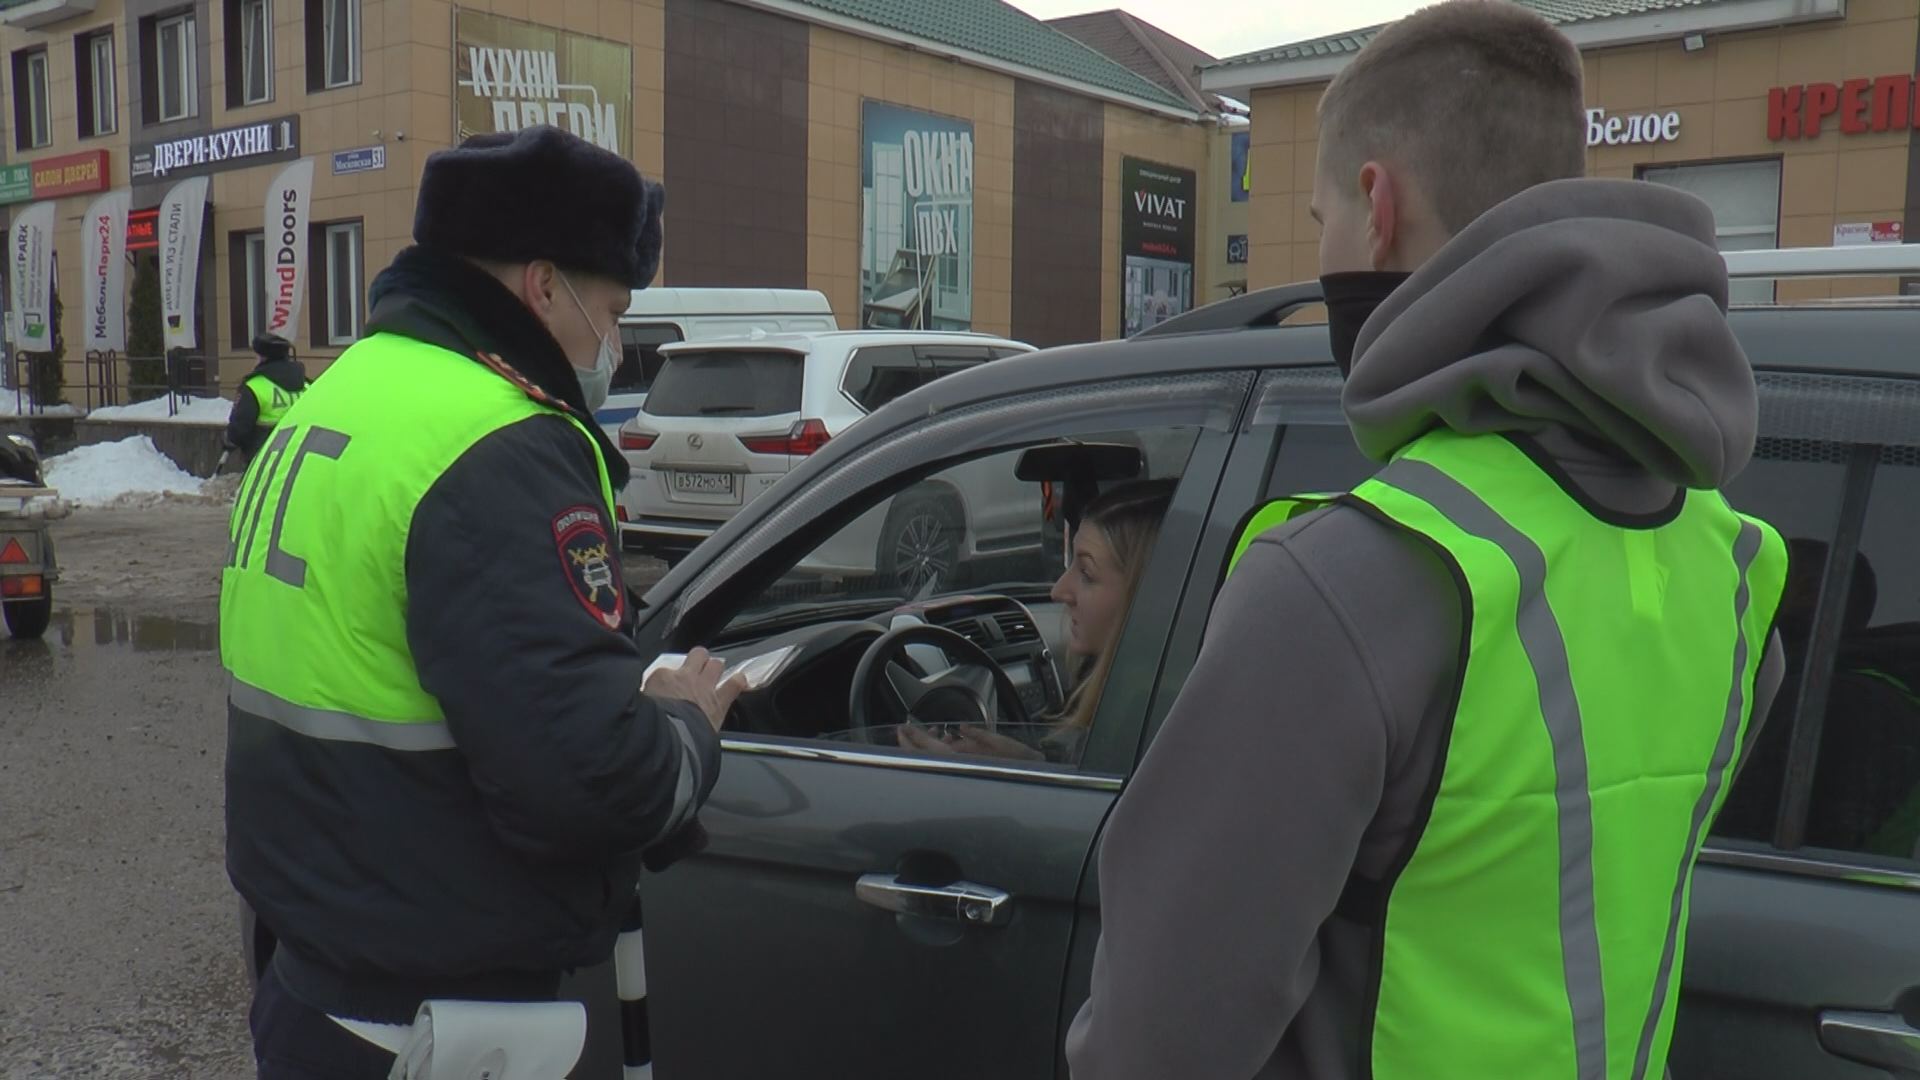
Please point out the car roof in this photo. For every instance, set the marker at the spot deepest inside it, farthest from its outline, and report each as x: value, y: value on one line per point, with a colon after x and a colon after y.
x: 667, y: 301
x: 1864, y: 337
x: 807, y: 341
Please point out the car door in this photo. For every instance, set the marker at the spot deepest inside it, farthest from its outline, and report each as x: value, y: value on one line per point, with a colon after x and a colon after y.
x: 783, y: 948
x: 1803, y: 956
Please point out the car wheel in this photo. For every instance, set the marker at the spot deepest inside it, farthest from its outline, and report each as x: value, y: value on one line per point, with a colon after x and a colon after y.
x: 920, y: 544
x: 30, y: 618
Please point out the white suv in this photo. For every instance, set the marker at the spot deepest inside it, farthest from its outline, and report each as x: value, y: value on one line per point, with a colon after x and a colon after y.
x: 727, y: 418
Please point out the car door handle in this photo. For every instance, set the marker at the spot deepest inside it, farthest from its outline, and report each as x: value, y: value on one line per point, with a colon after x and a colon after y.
x: 1883, y: 1039
x: 975, y: 905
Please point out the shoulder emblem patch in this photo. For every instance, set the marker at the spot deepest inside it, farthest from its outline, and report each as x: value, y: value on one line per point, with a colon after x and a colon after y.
x: 587, y: 559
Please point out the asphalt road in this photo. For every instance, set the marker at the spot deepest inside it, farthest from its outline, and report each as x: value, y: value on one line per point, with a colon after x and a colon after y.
x: 119, y: 941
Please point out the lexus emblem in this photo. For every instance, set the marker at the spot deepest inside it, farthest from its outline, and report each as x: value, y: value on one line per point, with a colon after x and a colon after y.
x: 695, y: 441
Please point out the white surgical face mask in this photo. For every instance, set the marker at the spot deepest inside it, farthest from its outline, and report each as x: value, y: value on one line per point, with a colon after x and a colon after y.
x: 594, y: 385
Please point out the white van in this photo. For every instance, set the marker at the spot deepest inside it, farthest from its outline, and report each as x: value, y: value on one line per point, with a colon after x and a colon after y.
x: 659, y: 316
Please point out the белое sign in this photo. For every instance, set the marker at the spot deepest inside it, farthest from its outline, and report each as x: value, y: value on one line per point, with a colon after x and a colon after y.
x: 1604, y: 130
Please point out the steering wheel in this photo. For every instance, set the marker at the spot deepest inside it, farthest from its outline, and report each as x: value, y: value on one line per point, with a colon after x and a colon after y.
x: 887, y: 678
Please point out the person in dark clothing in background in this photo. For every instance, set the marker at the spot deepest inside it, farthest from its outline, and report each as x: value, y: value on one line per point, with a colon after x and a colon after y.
x: 275, y: 383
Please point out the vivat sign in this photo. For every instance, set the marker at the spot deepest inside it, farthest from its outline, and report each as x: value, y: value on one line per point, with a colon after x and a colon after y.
x: 1604, y: 130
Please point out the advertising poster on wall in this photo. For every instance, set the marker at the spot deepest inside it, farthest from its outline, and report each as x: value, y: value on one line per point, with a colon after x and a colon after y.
x: 510, y: 75
x: 916, y: 212
x: 104, y: 235
x: 1156, y: 243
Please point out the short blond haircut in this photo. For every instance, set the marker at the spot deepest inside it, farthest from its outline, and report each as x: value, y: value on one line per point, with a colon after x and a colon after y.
x: 1475, y: 100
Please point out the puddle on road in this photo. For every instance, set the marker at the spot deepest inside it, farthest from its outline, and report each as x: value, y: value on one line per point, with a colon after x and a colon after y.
x: 105, y: 628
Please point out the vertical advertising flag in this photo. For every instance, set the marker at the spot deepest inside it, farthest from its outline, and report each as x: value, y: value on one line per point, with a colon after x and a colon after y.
x: 289, y: 206
x: 31, y: 267
x: 1156, y: 243
x: 180, y: 216
x: 916, y: 208
x: 103, y: 234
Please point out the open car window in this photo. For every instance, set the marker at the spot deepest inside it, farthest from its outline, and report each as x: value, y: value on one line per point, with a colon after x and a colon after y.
x: 1014, y: 617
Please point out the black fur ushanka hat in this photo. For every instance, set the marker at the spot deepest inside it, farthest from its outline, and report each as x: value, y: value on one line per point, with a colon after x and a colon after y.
x: 542, y: 193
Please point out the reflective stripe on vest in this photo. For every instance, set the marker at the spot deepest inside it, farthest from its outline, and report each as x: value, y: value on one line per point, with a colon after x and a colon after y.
x: 273, y: 399
x: 313, y: 599
x: 1536, y: 928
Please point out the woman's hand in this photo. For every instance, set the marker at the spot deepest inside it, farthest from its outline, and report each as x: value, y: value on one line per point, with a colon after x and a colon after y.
x: 971, y: 741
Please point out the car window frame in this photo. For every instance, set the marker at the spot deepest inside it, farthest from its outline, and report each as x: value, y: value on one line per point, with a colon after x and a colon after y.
x: 1216, y: 399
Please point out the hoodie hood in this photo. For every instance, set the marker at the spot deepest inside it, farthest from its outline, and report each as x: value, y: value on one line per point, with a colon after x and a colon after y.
x: 1593, y: 306
x: 290, y: 375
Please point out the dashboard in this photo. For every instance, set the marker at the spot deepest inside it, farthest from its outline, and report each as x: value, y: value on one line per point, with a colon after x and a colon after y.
x: 805, y: 674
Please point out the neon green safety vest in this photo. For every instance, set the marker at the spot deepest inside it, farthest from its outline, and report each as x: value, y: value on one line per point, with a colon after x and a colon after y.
x: 313, y: 599
x: 1536, y: 929
x: 274, y: 400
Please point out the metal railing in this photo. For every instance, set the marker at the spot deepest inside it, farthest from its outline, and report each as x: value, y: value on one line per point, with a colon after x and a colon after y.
x: 110, y: 379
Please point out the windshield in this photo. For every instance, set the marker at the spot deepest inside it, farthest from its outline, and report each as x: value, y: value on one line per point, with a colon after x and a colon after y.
x: 728, y: 383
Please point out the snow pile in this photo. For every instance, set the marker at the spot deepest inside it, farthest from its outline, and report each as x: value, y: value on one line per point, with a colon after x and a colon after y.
x: 131, y: 472
x: 193, y: 410
x: 17, y: 404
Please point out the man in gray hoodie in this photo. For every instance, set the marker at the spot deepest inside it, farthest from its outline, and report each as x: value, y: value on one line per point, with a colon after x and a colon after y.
x: 1429, y: 802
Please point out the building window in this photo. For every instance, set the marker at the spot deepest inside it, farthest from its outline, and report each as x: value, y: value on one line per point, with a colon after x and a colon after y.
x: 333, y: 43
x: 176, y: 67
x: 341, y: 270
x: 94, y: 84
x: 249, y: 52
x: 32, y: 111
x: 1745, y: 197
x: 247, y: 286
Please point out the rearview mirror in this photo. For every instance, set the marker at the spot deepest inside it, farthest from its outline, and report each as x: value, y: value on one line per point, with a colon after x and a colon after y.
x: 1098, y: 463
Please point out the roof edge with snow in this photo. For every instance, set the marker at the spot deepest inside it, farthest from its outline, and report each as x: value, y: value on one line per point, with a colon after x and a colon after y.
x: 1320, y: 59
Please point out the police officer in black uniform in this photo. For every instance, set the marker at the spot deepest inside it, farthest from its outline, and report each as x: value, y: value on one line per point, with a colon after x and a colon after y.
x: 443, y: 776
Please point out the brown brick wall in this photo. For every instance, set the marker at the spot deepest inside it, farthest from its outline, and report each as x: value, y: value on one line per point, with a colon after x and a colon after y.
x: 1058, y: 140
x: 736, y: 108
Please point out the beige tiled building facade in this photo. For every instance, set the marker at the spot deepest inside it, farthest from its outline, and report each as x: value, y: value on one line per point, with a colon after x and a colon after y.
x: 756, y: 113
x: 1782, y: 116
